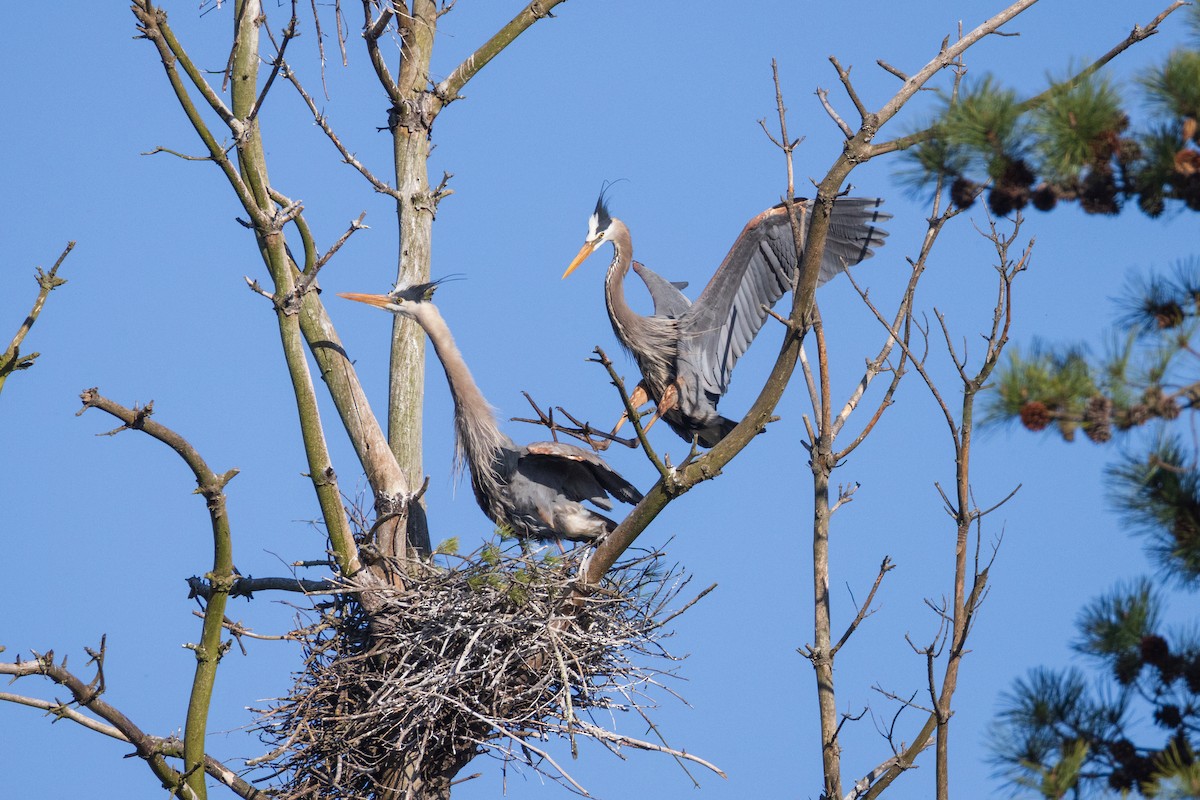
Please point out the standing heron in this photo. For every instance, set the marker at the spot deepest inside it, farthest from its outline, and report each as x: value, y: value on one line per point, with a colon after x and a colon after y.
x: 536, y: 490
x: 685, y: 350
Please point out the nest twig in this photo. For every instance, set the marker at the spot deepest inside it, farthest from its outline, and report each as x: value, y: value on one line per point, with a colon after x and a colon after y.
x: 475, y: 658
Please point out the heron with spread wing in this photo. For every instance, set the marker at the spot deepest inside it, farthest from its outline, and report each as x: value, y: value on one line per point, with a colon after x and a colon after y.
x: 686, y: 351
x: 537, y: 490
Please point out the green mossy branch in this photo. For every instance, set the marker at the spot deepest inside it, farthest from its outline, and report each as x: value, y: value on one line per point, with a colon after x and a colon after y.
x: 210, y: 649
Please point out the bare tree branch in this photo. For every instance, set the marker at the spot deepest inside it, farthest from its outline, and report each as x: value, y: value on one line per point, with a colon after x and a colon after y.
x: 212, y: 488
x: 823, y: 96
x: 11, y: 359
x: 152, y: 749
x: 865, y: 609
x: 844, y: 77
x: 380, y: 186
x: 448, y: 90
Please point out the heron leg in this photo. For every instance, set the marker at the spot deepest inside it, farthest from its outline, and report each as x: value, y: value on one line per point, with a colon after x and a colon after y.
x: 669, y: 400
x: 639, y: 398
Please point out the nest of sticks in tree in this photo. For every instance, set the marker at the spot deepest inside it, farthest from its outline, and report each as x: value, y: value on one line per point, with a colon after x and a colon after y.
x: 487, y: 655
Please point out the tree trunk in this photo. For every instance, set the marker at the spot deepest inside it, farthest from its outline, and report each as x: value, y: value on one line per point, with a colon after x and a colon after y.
x: 410, y: 122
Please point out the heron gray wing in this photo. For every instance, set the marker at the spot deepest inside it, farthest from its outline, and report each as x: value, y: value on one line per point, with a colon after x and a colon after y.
x: 758, y: 270
x: 853, y: 233
x: 669, y: 301
x: 589, y: 469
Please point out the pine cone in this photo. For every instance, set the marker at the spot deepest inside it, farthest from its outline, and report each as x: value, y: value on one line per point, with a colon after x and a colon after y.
x: 963, y: 192
x: 1044, y: 197
x: 1035, y: 416
x: 1151, y: 397
x: 1120, y: 780
x: 1017, y: 173
x: 1187, y: 162
x: 1128, y: 152
x: 1138, y: 414
x: 1142, y: 771
x: 1167, y: 315
x: 1123, y: 751
x: 1097, y: 419
x: 1099, y: 194
x: 1168, y: 716
x: 1168, y: 408
x: 1155, y: 650
x: 1001, y: 201
x: 1099, y: 409
x: 1151, y: 202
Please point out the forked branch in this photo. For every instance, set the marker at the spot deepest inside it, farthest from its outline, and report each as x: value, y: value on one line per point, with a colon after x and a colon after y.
x: 153, y: 750
x: 210, y: 649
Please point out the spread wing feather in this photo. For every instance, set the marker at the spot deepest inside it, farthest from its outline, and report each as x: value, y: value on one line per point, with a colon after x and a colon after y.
x: 591, y: 470
x: 668, y: 300
x: 759, y: 270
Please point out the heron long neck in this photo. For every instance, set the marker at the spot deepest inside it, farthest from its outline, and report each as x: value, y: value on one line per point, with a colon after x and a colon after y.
x: 478, y: 440
x: 624, y: 319
x: 651, y: 340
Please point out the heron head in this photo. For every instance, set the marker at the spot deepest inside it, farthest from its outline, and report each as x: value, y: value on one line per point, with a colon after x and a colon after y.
x: 599, y: 232
x: 404, y: 300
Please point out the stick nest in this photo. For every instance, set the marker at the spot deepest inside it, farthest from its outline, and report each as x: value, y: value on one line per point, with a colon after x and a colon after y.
x: 482, y: 656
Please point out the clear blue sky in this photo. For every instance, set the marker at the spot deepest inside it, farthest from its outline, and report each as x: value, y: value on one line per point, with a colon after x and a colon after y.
x: 101, y: 532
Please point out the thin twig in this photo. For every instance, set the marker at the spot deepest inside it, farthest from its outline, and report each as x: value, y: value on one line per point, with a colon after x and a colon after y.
x: 823, y: 96
x: 177, y: 154
x: 864, y: 610
x: 666, y: 474
x: 889, y: 68
x: 844, y: 77
x: 289, y: 33
x: 63, y: 711
x: 348, y: 157
x: 11, y: 359
x: 310, y: 275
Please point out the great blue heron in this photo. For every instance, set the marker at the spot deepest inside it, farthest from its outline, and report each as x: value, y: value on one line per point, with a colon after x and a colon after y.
x: 536, y: 490
x: 685, y: 350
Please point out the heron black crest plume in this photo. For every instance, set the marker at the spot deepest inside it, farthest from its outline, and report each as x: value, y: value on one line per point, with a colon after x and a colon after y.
x: 603, y: 218
x: 422, y: 292
x: 686, y: 351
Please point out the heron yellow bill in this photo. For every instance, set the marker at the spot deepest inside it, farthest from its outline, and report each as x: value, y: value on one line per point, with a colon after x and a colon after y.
x: 377, y: 300
x: 585, y: 251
